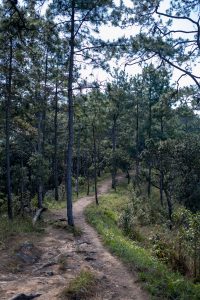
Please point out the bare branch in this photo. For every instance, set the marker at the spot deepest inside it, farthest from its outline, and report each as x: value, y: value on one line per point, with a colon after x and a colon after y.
x: 194, y: 77
x: 85, y: 17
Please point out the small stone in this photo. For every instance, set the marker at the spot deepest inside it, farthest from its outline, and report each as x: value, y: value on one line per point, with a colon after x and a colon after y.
x: 89, y: 258
x: 49, y: 273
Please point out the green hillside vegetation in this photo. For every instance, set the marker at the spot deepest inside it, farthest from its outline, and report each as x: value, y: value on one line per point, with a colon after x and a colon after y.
x: 153, y: 253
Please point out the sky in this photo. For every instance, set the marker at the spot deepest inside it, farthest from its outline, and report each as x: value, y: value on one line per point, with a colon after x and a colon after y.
x: 111, y: 33
x: 107, y: 32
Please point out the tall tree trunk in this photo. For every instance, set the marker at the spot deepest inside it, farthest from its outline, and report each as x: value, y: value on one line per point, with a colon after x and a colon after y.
x: 78, y: 161
x: 150, y: 163
x: 40, y: 147
x: 169, y: 205
x: 7, y: 133
x: 137, y: 141
x: 44, y: 104
x: 149, y: 180
x: 161, y: 164
x: 56, y: 143
x: 98, y: 157
x: 88, y: 176
x: 114, y: 152
x: 161, y: 183
x: 128, y: 176
x: 41, y: 132
x: 95, y: 164
x: 22, y: 187
x: 70, y: 121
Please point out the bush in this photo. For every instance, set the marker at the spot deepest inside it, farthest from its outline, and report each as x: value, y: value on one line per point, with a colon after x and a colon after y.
x: 158, y: 280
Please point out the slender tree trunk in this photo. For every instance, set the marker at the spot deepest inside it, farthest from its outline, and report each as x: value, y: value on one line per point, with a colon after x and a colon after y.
x: 137, y: 141
x: 149, y: 180
x: 88, y: 184
x: 78, y: 162
x: 44, y: 104
x: 95, y: 164
x: 56, y: 143
x: 70, y: 121
x: 150, y: 163
x: 22, y: 188
x: 195, y: 256
x: 161, y: 182
x: 88, y: 176
x: 161, y: 165
x: 41, y: 132
x: 7, y: 133
x: 40, y: 146
x: 114, y: 153
x: 128, y: 176
x: 98, y: 157
x: 169, y: 204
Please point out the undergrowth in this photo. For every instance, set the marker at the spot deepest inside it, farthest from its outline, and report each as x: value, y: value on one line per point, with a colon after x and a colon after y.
x: 161, y: 282
x: 17, y: 226
x: 51, y: 204
x: 81, y: 287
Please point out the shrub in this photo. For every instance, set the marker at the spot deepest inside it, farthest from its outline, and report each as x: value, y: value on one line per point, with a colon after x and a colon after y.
x: 81, y: 287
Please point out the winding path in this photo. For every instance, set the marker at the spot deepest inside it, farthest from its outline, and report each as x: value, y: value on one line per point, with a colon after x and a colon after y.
x: 121, y: 284
x: 46, y: 276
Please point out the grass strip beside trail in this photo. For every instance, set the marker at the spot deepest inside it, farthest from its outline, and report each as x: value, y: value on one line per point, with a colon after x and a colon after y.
x: 155, y: 276
x: 18, y: 226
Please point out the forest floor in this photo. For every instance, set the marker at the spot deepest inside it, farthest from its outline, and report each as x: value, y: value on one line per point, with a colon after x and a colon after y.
x: 46, y: 263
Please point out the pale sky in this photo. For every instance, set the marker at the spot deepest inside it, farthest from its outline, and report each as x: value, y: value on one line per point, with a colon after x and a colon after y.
x: 109, y: 33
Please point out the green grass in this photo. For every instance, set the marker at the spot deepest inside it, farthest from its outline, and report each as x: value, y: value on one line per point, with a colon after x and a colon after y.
x: 50, y: 203
x: 155, y: 276
x: 16, y: 227
x: 81, y: 287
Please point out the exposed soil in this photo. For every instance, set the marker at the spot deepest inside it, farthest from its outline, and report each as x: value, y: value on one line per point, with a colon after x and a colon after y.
x: 57, y: 256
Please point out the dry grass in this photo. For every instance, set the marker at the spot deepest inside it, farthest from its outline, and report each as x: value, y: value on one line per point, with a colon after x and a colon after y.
x: 81, y: 287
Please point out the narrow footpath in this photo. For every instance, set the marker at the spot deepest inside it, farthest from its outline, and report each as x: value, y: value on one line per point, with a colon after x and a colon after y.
x: 61, y: 258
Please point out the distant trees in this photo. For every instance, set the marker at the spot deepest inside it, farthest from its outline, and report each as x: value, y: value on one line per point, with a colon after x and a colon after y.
x: 51, y: 121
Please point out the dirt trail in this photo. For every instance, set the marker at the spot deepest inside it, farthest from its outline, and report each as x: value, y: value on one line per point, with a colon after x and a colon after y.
x: 48, y: 276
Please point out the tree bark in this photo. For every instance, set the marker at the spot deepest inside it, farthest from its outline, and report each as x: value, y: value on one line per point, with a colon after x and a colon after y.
x: 95, y: 164
x: 44, y: 102
x: 7, y: 133
x: 78, y: 161
x: 40, y: 183
x: 137, y: 141
x: 88, y: 176
x: 56, y: 143
x: 161, y: 163
x: 169, y: 205
x: 150, y: 166
x: 161, y: 183
x: 70, y: 121
x: 114, y: 152
x: 22, y: 187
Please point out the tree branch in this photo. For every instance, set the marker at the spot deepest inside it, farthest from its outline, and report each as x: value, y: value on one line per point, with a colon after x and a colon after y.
x: 180, y: 69
x: 175, y: 17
